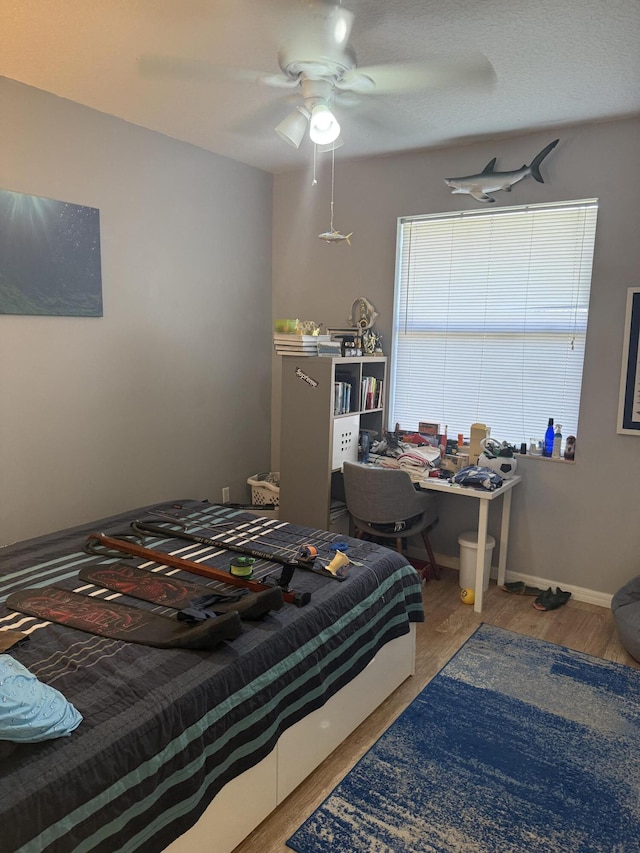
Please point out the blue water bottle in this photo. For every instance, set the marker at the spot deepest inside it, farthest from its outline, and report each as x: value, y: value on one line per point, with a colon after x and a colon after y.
x: 548, y: 439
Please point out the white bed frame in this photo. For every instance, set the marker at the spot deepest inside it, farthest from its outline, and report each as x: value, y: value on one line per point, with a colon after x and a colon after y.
x: 247, y: 800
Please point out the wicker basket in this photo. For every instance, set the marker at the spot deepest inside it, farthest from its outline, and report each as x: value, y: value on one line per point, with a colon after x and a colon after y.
x: 265, y: 489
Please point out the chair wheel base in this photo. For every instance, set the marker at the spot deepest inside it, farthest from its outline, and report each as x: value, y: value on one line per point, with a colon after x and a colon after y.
x: 428, y: 569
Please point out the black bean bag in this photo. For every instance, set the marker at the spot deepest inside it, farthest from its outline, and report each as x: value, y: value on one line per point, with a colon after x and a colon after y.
x: 625, y: 605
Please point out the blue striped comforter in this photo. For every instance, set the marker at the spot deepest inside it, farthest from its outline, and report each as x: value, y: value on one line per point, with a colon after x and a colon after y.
x: 164, y: 730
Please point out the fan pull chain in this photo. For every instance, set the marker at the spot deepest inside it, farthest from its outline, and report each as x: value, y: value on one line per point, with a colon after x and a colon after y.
x: 333, y: 172
x: 314, y: 182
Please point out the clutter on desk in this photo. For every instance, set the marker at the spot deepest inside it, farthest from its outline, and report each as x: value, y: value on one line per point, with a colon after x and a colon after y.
x: 536, y: 446
x: 454, y: 462
x: 479, y: 432
x: 409, y: 451
x: 425, y: 453
x: 478, y: 478
x: 434, y: 433
x: 416, y: 460
x: 499, y: 457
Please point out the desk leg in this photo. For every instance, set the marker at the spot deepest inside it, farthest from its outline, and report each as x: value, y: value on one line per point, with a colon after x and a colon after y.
x: 504, y: 537
x: 483, y: 521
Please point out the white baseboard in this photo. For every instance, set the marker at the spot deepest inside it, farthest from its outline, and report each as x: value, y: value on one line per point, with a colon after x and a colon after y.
x: 590, y: 596
x: 580, y: 593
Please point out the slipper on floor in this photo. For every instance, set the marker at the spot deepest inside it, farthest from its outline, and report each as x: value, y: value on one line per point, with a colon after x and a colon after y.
x: 520, y: 588
x: 549, y: 600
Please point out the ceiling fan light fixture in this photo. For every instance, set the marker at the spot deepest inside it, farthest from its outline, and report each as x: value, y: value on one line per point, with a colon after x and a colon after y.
x: 293, y: 128
x: 323, y: 126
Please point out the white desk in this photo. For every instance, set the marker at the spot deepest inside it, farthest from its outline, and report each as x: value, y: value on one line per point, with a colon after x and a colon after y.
x: 483, y: 497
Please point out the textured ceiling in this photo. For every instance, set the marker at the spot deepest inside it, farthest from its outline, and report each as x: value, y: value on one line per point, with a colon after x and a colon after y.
x: 556, y: 61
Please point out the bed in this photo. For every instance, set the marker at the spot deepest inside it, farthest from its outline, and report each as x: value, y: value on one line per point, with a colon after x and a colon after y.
x: 185, y: 749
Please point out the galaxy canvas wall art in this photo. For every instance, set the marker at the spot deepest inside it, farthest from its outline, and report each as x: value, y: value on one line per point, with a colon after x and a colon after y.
x: 49, y: 257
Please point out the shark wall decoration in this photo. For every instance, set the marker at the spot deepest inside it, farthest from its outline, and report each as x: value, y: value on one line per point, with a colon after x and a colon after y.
x: 489, y: 181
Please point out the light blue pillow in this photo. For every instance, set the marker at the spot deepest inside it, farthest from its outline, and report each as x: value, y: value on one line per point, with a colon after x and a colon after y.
x: 30, y: 710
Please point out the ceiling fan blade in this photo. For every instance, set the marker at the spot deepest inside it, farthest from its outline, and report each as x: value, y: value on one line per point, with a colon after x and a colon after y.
x: 178, y: 68
x: 434, y: 73
x: 346, y: 98
x: 263, y: 120
x: 374, y: 117
x: 153, y: 65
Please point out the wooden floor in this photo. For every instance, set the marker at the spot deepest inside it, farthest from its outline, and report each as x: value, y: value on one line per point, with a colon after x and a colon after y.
x: 447, y: 625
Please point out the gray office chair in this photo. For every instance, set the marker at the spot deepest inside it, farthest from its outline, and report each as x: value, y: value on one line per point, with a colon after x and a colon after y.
x: 385, y: 505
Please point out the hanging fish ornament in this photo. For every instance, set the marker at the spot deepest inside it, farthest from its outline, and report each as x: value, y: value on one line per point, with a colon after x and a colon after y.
x: 488, y: 181
x: 334, y: 236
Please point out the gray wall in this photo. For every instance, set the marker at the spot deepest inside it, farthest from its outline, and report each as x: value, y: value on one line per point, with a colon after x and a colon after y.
x: 168, y: 395
x: 572, y: 524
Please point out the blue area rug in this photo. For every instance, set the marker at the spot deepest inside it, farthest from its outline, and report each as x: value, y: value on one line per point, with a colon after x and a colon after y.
x: 516, y: 746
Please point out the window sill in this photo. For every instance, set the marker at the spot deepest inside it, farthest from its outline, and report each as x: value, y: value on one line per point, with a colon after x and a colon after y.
x: 554, y: 459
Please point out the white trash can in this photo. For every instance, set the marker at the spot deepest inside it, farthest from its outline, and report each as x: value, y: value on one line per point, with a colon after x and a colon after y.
x: 468, y: 542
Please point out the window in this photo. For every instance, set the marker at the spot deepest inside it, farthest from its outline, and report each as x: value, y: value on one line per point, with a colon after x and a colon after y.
x: 490, y: 318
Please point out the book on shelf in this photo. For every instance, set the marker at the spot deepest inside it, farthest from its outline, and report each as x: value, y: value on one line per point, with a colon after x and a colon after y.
x: 345, y: 393
x: 341, y: 398
x: 312, y: 351
x: 371, y: 392
x: 285, y: 344
x: 344, y: 331
x: 296, y: 347
x: 300, y: 339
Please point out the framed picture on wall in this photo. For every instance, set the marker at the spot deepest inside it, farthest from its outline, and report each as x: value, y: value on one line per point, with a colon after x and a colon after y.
x: 49, y: 257
x: 629, y: 404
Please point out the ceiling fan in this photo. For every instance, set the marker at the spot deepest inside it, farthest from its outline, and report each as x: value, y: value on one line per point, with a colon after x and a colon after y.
x: 316, y: 59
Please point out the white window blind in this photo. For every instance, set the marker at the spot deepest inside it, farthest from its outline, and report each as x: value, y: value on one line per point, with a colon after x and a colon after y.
x: 490, y: 318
